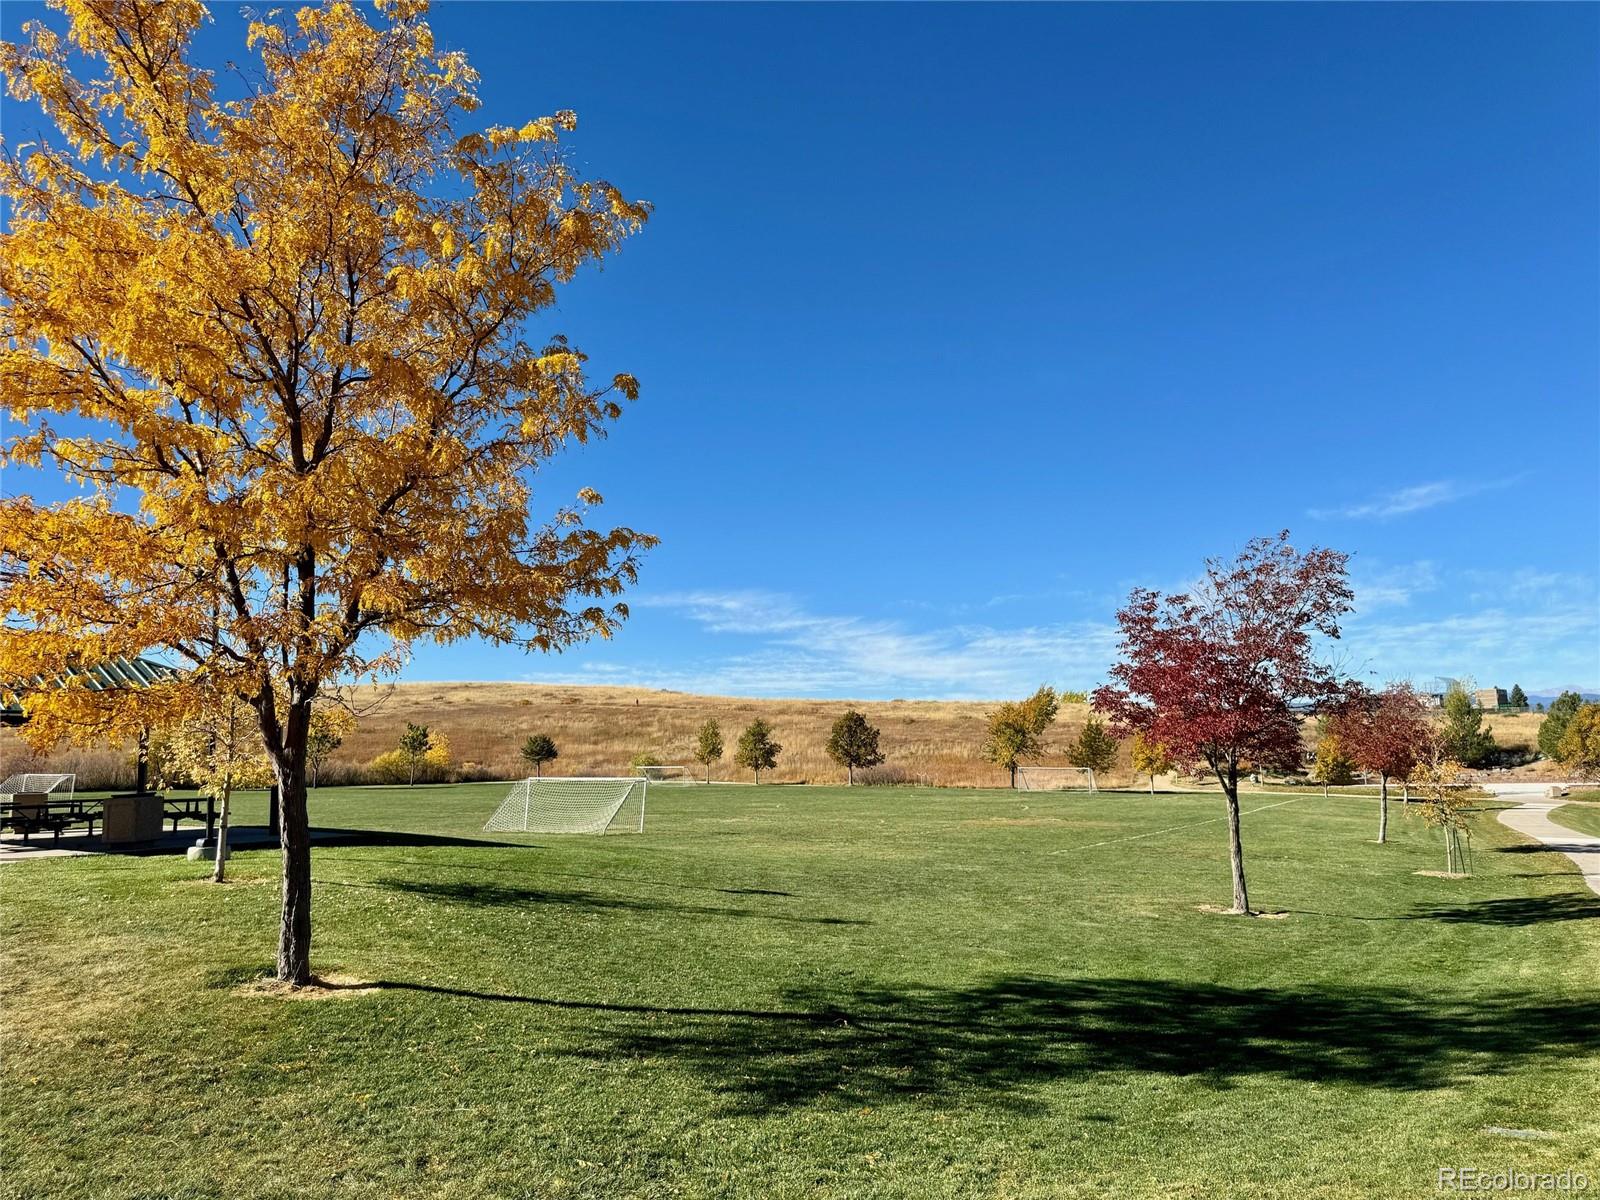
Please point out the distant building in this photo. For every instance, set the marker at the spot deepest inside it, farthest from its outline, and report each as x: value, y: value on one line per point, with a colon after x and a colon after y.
x: 1489, y: 698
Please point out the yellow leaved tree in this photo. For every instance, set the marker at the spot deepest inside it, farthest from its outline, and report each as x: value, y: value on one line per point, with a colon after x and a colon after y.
x: 279, y: 326
x: 215, y: 747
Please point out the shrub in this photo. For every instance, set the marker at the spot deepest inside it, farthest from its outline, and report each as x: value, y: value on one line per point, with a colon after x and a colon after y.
x: 433, y: 766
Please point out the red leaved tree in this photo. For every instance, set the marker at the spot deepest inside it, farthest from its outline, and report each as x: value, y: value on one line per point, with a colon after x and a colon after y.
x: 1211, y: 673
x: 1386, y: 732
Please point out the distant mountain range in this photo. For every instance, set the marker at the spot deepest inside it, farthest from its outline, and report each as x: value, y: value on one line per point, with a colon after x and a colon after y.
x: 1546, y: 695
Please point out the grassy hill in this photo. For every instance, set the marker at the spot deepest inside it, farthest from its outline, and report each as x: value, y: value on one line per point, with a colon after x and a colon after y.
x: 600, y: 729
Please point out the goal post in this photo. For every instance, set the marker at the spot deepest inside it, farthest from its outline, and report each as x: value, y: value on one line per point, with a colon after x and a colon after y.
x: 32, y: 783
x: 662, y: 773
x: 1055, y: 779
x: 572, y: 805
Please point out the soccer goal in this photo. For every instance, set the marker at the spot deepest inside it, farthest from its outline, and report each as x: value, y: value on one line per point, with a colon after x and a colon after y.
x: 57, y: 787
x: 666, y: 774
x: 1055, y: 779
x: 572, y: 805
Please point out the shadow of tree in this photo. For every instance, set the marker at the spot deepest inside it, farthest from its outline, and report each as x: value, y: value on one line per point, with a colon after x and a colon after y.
x: 501, y: 896
x: 546, y: 873
x: 330, y: 835
x: 996, y: 1041
x: 1517, y: 910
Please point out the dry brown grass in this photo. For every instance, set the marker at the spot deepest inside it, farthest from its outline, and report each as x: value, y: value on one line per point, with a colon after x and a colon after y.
x: 599, y: 729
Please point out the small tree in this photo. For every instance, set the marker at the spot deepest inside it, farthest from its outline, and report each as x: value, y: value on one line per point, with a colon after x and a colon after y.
x: 1438, y: 777
x: 414, y: 744
x: 1150, y: 758
x: 1094, y: 748
x: 644, y: 758
x: 708, y: 746
x: 217, y: 748
x: 1332, y: 768
x: 1519, y: 698
x: 1463, y: 737
x: 324, y: 735
x: 1067, y: 696
x: 1384, y: 732
x: 539, y: 749
x: 1555, y: 721
x: 757, y: 750
x: 1016, y: 729
x: 1579, y: 750
x: 854, y: 743
x: 1211, y: 673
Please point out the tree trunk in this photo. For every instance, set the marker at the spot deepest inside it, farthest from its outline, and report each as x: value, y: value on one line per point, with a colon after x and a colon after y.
x: 1230, y: 788
x: 1383, y: 809
x: 850, y: 775
x: 1013, y: 768
x: 1152, y: 783
x: 294, y: 928
x: 219, y: 874
x: 141, y: 763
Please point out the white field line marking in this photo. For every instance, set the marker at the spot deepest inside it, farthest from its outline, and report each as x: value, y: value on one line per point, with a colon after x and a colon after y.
x: 1172, y: 828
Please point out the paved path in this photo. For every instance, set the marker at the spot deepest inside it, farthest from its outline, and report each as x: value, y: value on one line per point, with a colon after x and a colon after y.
x: 1531, y: 818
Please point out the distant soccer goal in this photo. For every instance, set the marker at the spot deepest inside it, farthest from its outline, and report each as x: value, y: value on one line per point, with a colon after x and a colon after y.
x: 666, y: 774
x: 1055, y: 779
x: 34, y: 784
x: 572, y: 805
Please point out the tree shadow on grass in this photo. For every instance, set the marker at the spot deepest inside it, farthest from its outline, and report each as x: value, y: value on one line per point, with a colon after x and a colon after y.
x: 1517, y: 910
x: 324, y: 835
x: 1536, y: 848
x: 545, y: 873
x: 998, y: 1041
x: 500, y: 896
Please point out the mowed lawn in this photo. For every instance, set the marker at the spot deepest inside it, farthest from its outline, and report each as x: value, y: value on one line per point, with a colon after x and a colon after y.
x: 797, y: 992
x: 1584, y: 818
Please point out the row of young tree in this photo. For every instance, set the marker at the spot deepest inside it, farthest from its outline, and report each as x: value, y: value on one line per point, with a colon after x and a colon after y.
x: 852, y: 743
x: 1015, y: 734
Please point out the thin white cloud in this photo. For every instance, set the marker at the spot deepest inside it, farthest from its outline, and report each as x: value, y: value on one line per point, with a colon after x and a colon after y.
x: 804, y: 652
x: 1494, y: 645
x: 1379, y: 586
x: 768, y: 644
x: 1404, y: 501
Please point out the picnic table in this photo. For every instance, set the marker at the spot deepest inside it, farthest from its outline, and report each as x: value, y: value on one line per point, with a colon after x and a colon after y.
x: 30, y: 813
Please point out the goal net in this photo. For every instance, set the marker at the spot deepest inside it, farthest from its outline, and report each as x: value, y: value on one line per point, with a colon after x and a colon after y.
x: 32, y: 784
x: 572, y: 805
x: 665, y: 774
x: 1055, y: 779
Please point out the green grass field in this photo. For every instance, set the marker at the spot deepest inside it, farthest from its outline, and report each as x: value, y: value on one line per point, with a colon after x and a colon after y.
x: 1585, y: 818
x: 796, y: 992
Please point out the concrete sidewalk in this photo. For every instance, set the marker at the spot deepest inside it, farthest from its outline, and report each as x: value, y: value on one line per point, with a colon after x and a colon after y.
x: 76, y: 843
x: 1531, y: 818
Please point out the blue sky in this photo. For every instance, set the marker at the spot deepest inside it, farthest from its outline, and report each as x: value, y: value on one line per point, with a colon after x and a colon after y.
x: 954, y: 323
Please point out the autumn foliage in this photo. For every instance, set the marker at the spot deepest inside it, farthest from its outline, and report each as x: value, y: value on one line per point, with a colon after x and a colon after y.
x: 280, y: 331
x: 1387, y: 733
x: 1211, y: 673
